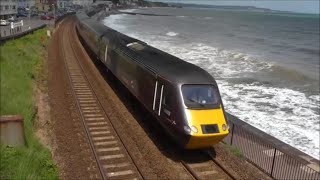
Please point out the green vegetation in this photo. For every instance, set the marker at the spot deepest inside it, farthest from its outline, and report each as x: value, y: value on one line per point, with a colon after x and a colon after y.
x: 21, y: 66
x: 235, y: 151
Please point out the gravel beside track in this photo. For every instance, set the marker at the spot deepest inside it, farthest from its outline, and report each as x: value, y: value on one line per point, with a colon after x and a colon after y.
x: 71, y: 150
x: 113, y: 160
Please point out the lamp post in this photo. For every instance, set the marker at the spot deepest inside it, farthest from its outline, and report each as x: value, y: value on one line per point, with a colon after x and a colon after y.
x: 54, y: 15
x: 29, y: 18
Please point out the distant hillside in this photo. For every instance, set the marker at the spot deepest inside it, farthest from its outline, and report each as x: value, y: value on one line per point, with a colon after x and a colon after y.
x: 155, y: 4
x: 253, y: 8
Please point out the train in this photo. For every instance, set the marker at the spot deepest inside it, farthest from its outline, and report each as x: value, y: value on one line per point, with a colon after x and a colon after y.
x: 183, y: 98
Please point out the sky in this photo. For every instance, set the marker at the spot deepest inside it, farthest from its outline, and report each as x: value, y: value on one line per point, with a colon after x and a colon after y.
x: 301, y: 6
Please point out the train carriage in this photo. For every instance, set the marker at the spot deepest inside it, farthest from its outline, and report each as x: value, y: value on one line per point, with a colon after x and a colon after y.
x: 184, y: 98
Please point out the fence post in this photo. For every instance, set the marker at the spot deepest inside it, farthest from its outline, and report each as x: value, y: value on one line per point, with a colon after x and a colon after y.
x: 274, y: 157
x: 232, y: 130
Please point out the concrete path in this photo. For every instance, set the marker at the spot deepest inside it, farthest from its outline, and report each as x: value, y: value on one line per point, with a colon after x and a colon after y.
x: 27, y: 24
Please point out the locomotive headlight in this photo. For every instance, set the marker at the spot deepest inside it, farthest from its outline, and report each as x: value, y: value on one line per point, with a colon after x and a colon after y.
x: 187, y: 129
x: 194, y: 129
x: 224, y: 127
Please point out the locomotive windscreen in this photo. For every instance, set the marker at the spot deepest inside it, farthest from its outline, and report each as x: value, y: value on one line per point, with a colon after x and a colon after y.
x: 200, y: 96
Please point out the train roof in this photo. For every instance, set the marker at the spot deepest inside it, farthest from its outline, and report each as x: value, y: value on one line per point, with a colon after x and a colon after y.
x: 161, y: 63
x: 170, y: 67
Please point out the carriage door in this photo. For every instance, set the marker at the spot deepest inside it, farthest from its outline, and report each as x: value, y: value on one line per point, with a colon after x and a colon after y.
x: 158, y: 97
x: 103, y: 50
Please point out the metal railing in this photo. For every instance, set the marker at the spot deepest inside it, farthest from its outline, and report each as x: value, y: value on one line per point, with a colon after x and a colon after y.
x: 20, y: 34
x: 60, y: 18
x: 275, y: 158
x: 23, y: 33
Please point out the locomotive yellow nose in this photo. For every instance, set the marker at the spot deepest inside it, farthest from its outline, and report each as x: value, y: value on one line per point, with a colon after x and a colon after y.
x: 210, y: 125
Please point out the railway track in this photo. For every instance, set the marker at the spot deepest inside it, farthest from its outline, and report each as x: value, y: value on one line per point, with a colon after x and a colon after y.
x: 112, y: 157
x: 207, y: 169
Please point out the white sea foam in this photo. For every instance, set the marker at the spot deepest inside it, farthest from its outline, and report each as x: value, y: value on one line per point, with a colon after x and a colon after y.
x: 127, y: 10
x: 286, y: 114
x: 222, y: 63
x: 114, y: 21
x: 172, y: 33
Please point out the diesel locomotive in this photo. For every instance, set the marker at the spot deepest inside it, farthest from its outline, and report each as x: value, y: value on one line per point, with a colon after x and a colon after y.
x: 184, y: 98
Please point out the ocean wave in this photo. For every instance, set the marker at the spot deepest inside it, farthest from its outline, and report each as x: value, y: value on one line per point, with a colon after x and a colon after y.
x: 114, y: 21
x: 224, y: 63
x: 288, y: 74
x: 208, y: 18
x: 284, y: 113
x: 127, y: 10
x: 230, y: 34
x: 258, y: 40
x: 280, y: 46
x: 172, y: 34
x: 309, y: 51
x: 315, y: 98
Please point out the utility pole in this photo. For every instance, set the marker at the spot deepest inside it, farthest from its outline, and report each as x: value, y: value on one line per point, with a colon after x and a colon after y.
x: 54, y: 14
x: 29, y: 14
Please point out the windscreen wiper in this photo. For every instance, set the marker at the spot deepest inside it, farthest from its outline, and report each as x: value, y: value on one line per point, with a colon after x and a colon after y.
x: 196, y: 102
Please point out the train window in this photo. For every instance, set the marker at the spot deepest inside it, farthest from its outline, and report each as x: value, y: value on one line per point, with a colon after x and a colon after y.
x: 200, y: 96
x: 167, y: 98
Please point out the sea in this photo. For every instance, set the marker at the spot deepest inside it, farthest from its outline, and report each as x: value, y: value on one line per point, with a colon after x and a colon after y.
x: 266, y: 64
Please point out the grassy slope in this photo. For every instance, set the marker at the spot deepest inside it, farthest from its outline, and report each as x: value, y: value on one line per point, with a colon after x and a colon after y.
x: 20, y: 66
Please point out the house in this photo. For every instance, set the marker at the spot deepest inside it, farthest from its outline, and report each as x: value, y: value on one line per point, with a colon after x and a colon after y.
x: 23, y: 4
x: 8, y: 8
x: 45, y: 5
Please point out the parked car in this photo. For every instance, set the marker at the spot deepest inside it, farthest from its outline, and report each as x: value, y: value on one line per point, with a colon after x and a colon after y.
x: 45, y: 17
x: 4, y: 22
x: 42, y: 13
x: 12, y: 19
x: 51, y: 16
x: 34, y: 14
x: 20, y: 14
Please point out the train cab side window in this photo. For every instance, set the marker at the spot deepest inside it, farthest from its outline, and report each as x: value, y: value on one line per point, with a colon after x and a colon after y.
x: 167, y: 104
x: 167, y: 99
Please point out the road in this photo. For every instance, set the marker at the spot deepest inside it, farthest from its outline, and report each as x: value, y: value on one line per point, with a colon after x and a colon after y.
x: 32, y: 23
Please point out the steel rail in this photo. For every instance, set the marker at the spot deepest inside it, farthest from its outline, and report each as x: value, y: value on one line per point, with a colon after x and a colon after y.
x: 218, y: 168
x: 219, y: 165
x: 101, y: 171
x: 98, y: 101
x: 190, y: 171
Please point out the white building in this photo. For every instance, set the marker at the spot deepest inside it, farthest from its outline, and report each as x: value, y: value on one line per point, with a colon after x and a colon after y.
x: 128, y: 2
x: 83, y: 3
x: 64, y: 3
x: 26, y: 3
x: 8, y: 8
x: 108, y: 3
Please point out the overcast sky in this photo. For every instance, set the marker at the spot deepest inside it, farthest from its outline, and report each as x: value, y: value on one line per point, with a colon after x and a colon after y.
x: 302, y: 6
